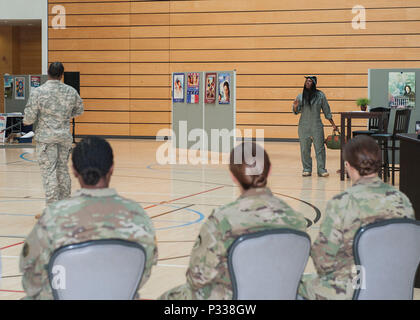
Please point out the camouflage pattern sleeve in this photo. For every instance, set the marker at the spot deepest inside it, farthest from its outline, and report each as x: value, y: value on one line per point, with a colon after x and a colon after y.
x: 205, y: 256
x: 79, y: 108
x: 34, y: 260
x: 326, y: 107
x: 31, y: 109
x: 330, y: 237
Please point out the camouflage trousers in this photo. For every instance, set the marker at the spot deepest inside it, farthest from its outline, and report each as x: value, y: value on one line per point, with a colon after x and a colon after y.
x: 313, y: 287
x: 53, y: 161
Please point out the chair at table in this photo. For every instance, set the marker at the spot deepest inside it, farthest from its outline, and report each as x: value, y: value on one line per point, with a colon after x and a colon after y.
x: 401, y: 123
x: 109, y: 269
x: 268, y: 265
x: 387, y: 254
x: 375, y: 125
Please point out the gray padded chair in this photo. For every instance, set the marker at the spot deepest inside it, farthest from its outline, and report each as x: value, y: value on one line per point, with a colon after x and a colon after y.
x: 109, y: 269
x: 389, y: 252
x: 268, y: 265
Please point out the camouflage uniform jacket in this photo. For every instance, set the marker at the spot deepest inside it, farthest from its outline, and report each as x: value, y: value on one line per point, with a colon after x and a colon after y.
x: 255, y: 210
x: 367, y: 201
x: 51, y: 107
x: 90, y: 214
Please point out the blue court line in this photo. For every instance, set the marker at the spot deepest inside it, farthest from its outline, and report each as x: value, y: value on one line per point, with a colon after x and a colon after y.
x: 200, y: 218
x: 22, y: 156
x: 184, y: 224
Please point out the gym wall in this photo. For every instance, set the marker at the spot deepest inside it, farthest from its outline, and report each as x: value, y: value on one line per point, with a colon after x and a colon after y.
x: 127, y: 50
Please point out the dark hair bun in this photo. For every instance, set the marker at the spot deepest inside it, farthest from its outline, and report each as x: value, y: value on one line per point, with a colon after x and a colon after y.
x: 259, y: 181
x: 91, y: 176
x: 92, y: 159
x: 369, y: 166
x: 363, y: 153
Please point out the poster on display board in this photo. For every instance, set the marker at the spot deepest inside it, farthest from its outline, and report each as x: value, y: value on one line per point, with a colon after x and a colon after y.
x: 20, y: 88
x: 210, y: 96
x: 3, y: 121
x: 193, y: 87
x: 402, y: 89
x: 8, y: 87
x: 224, y: 88
x: 178, y: 87
x: 35, y: 82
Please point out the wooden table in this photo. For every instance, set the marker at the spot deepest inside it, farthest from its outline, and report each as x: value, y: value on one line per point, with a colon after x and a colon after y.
x: 346, y: 131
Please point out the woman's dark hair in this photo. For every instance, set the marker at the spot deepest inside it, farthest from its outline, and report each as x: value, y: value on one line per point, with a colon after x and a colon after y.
x: 308, y: 94
x: 92, y: 158
x: 363, y: 153
x: 249, y: 163
x: 56, y: 70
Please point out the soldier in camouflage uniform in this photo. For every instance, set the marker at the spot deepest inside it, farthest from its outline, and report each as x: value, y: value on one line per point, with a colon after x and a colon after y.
x: 255, y: 210
x: 368, y: 200
x: 93, y: 212
x: 51, y: 107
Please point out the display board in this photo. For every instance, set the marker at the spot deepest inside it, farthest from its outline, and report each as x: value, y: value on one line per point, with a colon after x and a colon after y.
x: 204, y: 110
x: 17, y: 89
x: 395, y: 88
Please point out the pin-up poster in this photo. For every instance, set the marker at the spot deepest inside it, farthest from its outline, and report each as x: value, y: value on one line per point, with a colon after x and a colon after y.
x: 402, y: 89
x: 2, y: 127
x: 20, y: 88
x: 224, y: 88
x: 178, y: 87
x: 193, y: 87
x: 211, y: 79
x: 8, y: 87
x: 35, y: 82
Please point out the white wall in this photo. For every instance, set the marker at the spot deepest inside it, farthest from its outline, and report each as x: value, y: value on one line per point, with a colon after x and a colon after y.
x: 29, y: 9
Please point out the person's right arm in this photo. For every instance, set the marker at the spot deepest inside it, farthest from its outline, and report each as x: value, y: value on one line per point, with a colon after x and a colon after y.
x: 205, y: 255
x: 297, y: 105
x: 31, y: 109
x: 34, y: 260
x: 329, y: 240
x: 78, y: 108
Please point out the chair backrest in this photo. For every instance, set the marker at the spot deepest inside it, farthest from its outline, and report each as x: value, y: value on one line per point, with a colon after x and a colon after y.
x: 109, y: 269
x: 402, y: 121
x: 268, y: 265
x: 379, y: 124
x: 387, y: 254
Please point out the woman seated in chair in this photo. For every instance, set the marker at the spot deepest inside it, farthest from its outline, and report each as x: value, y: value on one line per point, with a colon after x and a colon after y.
x: 368, y: 200
x: 93, y: 212
x: 255, y: 210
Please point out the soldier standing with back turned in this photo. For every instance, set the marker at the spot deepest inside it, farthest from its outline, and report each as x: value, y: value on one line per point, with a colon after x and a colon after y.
x: 50, y: 108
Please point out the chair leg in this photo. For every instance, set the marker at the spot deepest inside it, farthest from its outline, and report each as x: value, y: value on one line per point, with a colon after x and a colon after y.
x: 386, y: 161
x: 393, y: 162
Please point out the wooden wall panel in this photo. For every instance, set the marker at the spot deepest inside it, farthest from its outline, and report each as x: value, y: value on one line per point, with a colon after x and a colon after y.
x: 126, y: 51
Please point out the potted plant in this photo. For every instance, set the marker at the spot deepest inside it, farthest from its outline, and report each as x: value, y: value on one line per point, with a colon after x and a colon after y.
x: 362, y: 103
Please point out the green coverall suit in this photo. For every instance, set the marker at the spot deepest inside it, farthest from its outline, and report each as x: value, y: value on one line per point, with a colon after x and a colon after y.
x: 312, y: 129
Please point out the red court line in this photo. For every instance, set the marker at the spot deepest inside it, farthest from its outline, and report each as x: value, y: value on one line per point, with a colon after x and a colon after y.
x: 191, y: 195
x: 12, y: 291
x: 12, y: 245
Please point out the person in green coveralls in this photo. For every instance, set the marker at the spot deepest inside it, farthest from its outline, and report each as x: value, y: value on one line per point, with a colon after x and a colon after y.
x: 310, y: 103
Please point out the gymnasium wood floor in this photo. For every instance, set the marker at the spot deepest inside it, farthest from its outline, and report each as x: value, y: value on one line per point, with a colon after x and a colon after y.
x: 178, y: 198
